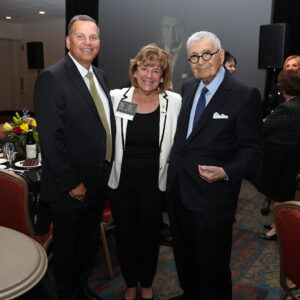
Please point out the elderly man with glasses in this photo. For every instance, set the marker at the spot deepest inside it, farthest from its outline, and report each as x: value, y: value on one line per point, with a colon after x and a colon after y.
x: 218, y: 139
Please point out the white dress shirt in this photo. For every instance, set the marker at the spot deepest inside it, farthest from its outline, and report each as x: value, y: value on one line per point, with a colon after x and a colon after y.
x: 83, y: 71
x: 212, y: 88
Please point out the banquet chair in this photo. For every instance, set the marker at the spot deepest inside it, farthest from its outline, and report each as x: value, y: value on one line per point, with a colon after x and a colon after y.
x: 107, y: 224
x: 287, y: 222
x: 14, y: 208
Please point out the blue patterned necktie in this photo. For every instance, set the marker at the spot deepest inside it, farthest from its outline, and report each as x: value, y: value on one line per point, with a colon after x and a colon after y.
x: 200, y: 105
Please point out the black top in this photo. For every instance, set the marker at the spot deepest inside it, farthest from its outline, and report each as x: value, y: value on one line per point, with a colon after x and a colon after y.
x: 274, y: 98
x: 142, y: 137
x: 282, y: 126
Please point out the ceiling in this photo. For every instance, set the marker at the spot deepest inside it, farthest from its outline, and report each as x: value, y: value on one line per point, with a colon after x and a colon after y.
x: 26, y: 11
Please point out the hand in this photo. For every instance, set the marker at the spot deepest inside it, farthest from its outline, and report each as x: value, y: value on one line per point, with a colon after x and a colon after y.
x: 79, y: 192
x: 211, y: 173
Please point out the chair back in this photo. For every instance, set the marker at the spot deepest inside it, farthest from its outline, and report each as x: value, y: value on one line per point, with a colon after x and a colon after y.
x: 14, y: 210
x: 107, y: 224
x: 287, y: 221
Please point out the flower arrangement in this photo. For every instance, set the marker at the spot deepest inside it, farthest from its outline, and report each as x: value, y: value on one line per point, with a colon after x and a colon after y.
x: 16, y: 130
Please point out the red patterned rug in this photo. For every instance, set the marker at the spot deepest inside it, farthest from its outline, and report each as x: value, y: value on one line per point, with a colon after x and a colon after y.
x: 255, y: 262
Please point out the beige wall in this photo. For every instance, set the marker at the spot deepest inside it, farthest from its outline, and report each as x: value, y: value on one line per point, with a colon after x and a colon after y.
x: 9, y: 74
x: 13, y: 57
x: 11, y: 31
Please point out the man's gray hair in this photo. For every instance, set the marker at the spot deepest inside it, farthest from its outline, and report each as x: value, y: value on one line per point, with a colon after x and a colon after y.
x: 81, y: 18
x: 201, y: 35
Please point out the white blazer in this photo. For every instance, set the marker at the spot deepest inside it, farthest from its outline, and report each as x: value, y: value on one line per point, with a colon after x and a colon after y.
x: 170, y: 104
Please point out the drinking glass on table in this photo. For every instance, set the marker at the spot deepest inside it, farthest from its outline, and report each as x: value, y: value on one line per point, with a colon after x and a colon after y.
x: 8, y: 151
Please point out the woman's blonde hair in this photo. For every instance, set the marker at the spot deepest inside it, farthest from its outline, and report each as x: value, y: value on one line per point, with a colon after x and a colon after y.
x: 297, y: 57
x: 150, y: 55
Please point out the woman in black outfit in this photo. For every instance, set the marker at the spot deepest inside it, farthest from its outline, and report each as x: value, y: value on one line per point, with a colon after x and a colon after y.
x: 273, y: 99
x: 140, y: 166
x: 282, y: 145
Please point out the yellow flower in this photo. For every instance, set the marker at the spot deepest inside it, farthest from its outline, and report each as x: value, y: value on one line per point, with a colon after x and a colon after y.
x: 24, y: 127
x: 7, y: 127
x: 33, y: 123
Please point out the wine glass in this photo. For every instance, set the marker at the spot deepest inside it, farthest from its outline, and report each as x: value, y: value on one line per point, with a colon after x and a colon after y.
x: 8, y: 151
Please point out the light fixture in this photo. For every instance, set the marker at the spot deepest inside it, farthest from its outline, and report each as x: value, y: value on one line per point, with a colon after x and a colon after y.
x: 8, y: 17
x: 41, y: 12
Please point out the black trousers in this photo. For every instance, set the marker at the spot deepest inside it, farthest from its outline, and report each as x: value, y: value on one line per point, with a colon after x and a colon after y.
x: 279, y: 171
x: 202, y: 252
x: 137, y: 212
x: 75, y: 242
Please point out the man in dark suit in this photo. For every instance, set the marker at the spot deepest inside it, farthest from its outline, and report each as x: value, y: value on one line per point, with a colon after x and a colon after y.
x: 76, y: 129
x: 218, y: 140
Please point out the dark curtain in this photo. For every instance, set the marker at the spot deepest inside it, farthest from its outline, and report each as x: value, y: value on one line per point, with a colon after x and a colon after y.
x: 288, y: 11
x: 285, y: 11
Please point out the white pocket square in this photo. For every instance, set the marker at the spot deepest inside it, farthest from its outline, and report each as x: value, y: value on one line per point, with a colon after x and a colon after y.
x: 219, y: 116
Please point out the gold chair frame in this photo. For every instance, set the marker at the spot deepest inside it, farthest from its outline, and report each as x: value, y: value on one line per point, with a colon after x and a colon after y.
x: 104, y: 227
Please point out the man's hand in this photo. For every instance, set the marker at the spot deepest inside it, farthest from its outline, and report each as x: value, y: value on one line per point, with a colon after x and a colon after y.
x: 211, y: 173
x: 79, y: 192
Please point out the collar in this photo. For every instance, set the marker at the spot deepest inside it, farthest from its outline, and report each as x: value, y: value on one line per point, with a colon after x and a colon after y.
x: 128, y: 94
x: 82, y: 70
x: 215, y: 83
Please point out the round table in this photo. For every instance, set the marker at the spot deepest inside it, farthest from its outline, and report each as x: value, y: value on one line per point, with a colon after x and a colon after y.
x: 23, y: 262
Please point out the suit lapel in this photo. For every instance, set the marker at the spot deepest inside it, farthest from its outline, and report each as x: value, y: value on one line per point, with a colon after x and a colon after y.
x: 163, y: 114
x: 184, y: 116
x: 127, y: 96
x: 101, y: 82
x: 79, y: 84
x: 105, y: 88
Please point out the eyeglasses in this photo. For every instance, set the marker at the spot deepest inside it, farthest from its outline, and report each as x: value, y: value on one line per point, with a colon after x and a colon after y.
x: 206, y: 56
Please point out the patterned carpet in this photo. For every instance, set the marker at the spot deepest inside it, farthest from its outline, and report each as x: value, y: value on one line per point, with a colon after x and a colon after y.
x: 255, y: 262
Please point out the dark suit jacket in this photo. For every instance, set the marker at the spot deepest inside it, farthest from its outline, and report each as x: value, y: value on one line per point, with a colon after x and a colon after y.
x: 233, y: 143
x: 72, y: 136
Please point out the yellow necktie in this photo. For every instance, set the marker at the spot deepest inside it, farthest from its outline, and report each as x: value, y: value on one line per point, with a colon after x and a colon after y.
x: 100, y: 108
